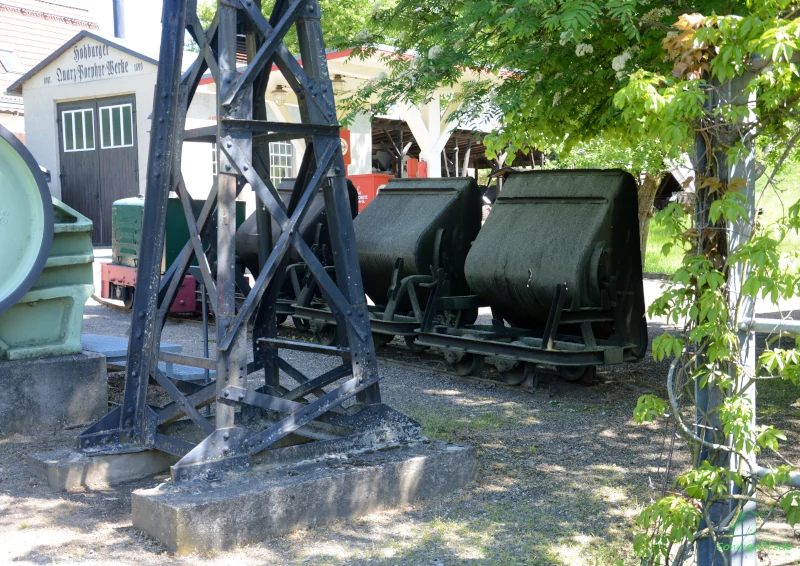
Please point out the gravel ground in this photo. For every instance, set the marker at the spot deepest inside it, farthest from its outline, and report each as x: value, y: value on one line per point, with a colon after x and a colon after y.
x: 563, y: 472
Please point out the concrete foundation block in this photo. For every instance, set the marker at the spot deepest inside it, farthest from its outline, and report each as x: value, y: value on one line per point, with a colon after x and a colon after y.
x: 66, y: 470
x: 45, y: 394
x: 251, y: 507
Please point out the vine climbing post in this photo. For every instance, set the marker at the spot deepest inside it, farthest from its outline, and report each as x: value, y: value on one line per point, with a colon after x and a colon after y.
x: 743, y: 539
x: 738, y: 548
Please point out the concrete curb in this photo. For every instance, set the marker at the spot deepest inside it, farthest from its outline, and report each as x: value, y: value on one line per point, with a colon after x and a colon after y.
x: 65, y: 470
x: 251, y: 507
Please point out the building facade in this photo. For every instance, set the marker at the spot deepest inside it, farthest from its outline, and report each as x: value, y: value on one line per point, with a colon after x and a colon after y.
x: 29, y: 31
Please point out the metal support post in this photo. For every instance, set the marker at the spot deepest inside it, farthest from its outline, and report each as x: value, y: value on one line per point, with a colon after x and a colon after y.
x: 739, y: 549
x: 246, y: 422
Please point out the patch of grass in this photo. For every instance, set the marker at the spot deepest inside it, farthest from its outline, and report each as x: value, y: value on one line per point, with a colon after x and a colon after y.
x: 775, y: 396
x: 23, y: 526
x: 773, y: 203
x: 447, y: 424
x: 577, y: 408
x: 654, y: 260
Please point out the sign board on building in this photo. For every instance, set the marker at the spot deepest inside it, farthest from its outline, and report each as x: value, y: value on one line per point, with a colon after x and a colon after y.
x: 90, y: 60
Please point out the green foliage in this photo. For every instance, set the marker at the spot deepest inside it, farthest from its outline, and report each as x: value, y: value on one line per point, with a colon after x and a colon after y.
x: 587, y: 78
x: 748, y: 48
x: 670, y: 520
x: 648, y: 407
x: 546, y: 71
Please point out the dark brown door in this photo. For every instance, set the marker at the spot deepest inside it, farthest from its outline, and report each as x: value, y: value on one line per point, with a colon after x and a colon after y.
x: 102, y: 166
x: 80, y: 161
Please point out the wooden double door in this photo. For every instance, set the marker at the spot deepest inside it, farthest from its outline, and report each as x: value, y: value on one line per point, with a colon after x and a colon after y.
x: 99, y: 158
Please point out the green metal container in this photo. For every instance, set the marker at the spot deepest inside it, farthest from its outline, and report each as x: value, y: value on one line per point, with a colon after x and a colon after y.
x: 575, y: 228
x: 47, y: 320
x: 126, y: 222
x: 414, y: 219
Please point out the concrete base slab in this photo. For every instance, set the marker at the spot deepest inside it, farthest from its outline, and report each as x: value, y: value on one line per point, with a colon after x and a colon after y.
x: 267, y: 502
x: 66, y: 470
x: 45, y: 394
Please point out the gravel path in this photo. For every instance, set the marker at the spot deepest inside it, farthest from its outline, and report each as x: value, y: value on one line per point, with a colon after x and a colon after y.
x: 563, y: 474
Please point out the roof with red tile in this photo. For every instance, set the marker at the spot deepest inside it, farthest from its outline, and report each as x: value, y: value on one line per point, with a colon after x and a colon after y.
x: 32, y: 30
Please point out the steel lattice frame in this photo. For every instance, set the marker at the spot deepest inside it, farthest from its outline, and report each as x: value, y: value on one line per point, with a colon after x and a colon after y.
x: 243, y: 135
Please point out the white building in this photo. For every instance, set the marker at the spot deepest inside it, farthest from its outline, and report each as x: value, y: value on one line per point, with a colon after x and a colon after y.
x: 86, y: 119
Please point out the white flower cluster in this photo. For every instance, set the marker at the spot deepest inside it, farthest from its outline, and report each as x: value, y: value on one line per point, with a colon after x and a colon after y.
x: 511, y: 10
x: 434, y: 52
x: 362, y: 36
x: 401, y: 37
x: 618, y: 63
x: 583, y: 49
x: 657, y: 13
x: 565, y: 37
x: 556, y: 98
x: 538, y: 77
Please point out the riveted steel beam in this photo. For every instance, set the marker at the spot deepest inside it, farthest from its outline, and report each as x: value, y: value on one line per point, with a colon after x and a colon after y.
x: 246, y: 420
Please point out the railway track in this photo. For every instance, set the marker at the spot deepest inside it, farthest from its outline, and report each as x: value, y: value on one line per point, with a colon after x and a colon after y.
x: 395, y: 353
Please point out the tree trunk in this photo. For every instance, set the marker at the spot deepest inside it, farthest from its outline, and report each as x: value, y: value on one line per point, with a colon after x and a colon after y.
x: 648, y: 187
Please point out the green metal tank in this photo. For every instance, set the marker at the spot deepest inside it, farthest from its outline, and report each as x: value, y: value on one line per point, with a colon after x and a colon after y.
x: 577, y: 228
x: 48, y: 248
x: 126, y: 222
x: 414, y: 219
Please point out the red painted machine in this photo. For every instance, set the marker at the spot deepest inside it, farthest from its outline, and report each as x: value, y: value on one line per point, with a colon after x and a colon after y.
x: 119, y: 282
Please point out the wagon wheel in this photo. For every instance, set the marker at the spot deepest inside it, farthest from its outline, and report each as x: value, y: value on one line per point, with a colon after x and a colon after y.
x: 127, y: 297
x: 644, y: 339
x: 300, y: 324
x: 584, y: 374
x: 381, y: 340
x: 411, y: 344
x: 328, y: 335
x: 468, y: 316
x: 518, y: 374
x: 469, y: 364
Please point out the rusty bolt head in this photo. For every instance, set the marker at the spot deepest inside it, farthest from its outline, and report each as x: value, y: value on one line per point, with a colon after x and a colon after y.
x: 226, y: 435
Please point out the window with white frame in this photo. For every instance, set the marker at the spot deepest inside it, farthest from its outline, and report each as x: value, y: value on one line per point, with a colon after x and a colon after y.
x: 281, y: 161
x: 116, y: 126
x: 78, y: 129
x: 214, y: 159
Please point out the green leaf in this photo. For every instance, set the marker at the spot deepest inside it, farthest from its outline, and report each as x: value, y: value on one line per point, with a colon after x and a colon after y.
x: 648, y: 408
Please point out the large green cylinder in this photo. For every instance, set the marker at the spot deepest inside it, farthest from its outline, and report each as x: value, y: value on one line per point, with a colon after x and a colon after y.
x: 46, y: 258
